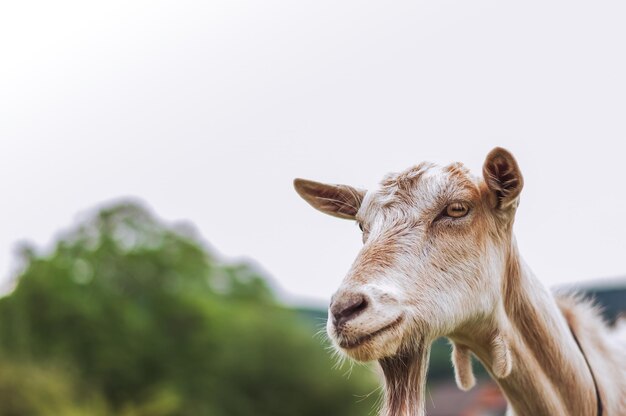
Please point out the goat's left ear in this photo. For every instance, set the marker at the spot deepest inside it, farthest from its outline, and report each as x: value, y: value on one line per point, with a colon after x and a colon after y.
x: 503, y: 178
x: 341, y: 201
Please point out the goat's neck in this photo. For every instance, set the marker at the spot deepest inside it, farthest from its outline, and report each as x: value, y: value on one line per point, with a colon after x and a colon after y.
x: 549, y: 374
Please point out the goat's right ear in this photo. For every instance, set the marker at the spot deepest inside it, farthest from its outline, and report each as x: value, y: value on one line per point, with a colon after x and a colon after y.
x: 341, y: 201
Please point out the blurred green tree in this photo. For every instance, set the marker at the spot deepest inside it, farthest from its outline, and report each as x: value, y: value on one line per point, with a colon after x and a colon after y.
x: 140, y: 318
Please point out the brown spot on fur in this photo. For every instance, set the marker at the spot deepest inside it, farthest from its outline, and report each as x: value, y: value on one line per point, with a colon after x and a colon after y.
x: 375, y: 256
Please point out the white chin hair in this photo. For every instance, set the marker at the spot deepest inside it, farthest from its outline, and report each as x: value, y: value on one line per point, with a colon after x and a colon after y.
x: 385, y: 345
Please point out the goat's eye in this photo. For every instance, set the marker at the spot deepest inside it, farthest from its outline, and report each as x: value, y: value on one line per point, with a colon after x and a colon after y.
x: 457, y: 210
x: 361, y: 227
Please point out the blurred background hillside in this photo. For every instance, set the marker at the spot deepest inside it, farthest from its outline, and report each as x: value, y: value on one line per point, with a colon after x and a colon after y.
x: 130, y: 316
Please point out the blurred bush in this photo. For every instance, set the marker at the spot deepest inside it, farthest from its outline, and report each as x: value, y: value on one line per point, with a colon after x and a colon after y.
x: 131, y: 317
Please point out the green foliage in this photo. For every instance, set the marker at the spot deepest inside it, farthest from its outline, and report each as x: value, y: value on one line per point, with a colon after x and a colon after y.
x: 27, y: 389
x: 138, y: 317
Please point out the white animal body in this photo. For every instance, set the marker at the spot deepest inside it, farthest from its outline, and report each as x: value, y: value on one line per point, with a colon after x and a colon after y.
x: 439, y: 259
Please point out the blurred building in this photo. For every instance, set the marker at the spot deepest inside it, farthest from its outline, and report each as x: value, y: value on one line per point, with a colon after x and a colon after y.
x: 611, y: 299
x: 445, y: 399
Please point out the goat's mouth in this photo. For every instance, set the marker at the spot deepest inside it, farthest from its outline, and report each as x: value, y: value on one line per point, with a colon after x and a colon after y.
x: 351, y: 343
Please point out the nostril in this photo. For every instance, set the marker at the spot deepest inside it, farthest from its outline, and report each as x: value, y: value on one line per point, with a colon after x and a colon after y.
x: 356, y: 308
x: 347, y: 308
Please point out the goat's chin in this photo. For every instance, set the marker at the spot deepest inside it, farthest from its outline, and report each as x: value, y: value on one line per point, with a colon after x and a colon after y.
x: 373, y: 346
x: 373, y: 350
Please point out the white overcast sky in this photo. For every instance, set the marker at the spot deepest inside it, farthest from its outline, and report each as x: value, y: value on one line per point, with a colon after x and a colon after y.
x: 207, y: 110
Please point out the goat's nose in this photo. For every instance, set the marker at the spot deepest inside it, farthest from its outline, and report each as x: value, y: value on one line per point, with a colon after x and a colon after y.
x: 347, y: 307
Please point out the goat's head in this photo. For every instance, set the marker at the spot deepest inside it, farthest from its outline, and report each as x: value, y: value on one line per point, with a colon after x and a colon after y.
x: 432, y: 256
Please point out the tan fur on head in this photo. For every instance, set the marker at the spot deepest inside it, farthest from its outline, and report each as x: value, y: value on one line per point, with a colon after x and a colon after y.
x: 462, y: 362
